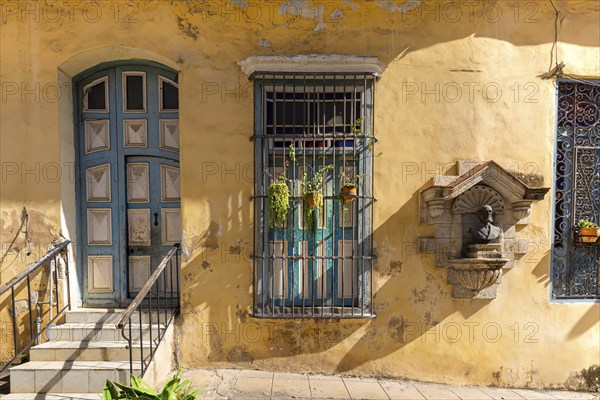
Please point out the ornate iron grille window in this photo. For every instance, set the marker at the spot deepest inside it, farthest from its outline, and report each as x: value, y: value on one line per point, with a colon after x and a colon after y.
x: 317, y: 262
x: 575, y: 265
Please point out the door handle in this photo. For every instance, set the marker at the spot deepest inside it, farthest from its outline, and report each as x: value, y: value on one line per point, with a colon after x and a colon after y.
x: 156, y: 219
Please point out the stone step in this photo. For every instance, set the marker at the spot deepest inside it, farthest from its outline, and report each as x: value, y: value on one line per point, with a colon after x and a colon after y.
x: 87, y: 351
x: 68, y: 377
x: 110, y: 316
x: 98, y: 332
x: 94, y: 315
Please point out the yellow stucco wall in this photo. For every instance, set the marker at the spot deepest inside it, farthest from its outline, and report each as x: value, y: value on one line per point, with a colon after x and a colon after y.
x: 519, y: 339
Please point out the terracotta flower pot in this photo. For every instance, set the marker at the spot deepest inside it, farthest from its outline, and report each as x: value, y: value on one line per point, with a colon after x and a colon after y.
x: 348, y: 193
x: 313, y: 200
x: 589, y: 235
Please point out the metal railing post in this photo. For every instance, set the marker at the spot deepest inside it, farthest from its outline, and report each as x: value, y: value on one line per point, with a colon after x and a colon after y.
x: 146, y: 294
x: 25, y: 274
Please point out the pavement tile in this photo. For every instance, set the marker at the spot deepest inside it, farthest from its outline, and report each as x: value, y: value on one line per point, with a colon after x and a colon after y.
x: 365, y: 389
x: 201, y: 375
x: 331, y: 389
x: 325, y: 378
x: 564, y: 395
x: 534, y: 394
x: 291, y: 387
x: 401, y: 390
x: 206, y: 380
x: 211, y: 395
x: 253, y: 384
x: 470, y: 393
x: 246, y: 373
x: 502, y: 394
x: 289, y: 375
x: 434, y: 391
x: 246, y: 385
x: 291, y: 398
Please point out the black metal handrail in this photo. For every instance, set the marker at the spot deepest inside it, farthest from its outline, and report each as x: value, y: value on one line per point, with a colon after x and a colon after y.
x: 26, y: 274
x: 155, y: 300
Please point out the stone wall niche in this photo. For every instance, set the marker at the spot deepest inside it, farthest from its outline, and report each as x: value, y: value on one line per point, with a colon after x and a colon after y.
x: 475, y: 214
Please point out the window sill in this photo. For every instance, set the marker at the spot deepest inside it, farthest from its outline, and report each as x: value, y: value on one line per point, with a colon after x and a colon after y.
x: 328, y: 312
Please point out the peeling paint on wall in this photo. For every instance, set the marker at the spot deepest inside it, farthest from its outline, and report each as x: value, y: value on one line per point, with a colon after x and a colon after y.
x: 405, y: 7
x: 307, y: 10
x: 240, y: 3
x: 586, y: 379
x: 187, y: 28
x: 350, y: 3
x: 420, y: 130
x: 264, y: 43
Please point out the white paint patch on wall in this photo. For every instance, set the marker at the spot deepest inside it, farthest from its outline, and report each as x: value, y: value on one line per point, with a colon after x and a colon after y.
x: 241, y: 3
x: 294, y: 9
x: 351, y: 4
x: 405, y: 7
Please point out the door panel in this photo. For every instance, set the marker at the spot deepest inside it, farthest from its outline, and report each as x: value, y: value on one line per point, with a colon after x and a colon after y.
x: 154, y: 221
x: 127, y: 177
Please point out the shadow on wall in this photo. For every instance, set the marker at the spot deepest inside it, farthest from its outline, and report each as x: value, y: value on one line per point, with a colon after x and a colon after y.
x: 411, y: 295
x: 588, y: 321
x: 25, y: 237
x: 216, y: 304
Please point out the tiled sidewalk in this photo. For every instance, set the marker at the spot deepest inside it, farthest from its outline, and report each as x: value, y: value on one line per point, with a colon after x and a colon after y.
x: 248, y: 384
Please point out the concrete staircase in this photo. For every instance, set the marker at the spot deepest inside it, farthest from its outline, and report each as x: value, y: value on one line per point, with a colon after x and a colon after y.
x: 80, y: 356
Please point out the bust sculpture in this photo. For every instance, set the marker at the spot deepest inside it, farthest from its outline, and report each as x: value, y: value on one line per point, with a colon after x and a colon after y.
x: 485, y: 232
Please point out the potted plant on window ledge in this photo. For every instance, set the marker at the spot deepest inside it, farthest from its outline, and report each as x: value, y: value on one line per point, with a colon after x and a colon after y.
x: 312, y: 195
x: 588, y: 231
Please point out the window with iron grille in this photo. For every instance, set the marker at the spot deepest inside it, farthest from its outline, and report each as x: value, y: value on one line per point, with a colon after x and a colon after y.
x: 316, y: 263
x: 575, y: 263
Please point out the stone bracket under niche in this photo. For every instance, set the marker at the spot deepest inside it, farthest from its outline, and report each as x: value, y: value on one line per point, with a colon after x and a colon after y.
x: 454, y: 203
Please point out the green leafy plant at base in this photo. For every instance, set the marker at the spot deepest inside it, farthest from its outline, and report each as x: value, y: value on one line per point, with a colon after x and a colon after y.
x: 174, y: 389
x: 312, y: 196
x: 586, y: 223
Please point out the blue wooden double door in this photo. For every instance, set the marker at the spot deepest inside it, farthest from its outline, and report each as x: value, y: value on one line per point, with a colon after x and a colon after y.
x: 129, y: 214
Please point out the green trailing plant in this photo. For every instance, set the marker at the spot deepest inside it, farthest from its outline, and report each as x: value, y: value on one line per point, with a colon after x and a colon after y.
x: 357, y: 130
x: 279, y: 195
x: 174, y: 389
x: 586, y: 223
x: 279, y: 201
x: 312, y: 195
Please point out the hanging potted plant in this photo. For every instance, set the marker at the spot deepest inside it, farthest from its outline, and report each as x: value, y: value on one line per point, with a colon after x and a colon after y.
x: 279, y: 201
x: 588, y: 231
x: 348, y: 189
x: 312, y: 195
x: 279, y: 196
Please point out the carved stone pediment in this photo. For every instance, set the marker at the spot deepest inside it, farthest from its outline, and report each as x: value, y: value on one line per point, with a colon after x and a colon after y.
x: 451, y: 202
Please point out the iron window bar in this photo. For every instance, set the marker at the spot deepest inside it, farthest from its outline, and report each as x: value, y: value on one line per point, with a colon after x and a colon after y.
x: 576, y: 265
x: 327, y: 119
